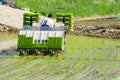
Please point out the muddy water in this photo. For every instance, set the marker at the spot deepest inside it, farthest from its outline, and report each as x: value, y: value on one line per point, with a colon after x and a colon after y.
x: 99, y: 28
x: 103, y: 23
x: 8, y: 47
x: 5, y: 53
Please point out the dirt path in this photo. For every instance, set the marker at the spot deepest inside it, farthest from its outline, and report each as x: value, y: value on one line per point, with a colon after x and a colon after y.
x: 10, y: 16
x: 10, y: 44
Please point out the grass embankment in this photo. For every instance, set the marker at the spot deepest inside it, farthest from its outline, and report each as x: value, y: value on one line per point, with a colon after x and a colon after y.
x: 80, y: 8
x: 86, y: 58
x: 8, y: 37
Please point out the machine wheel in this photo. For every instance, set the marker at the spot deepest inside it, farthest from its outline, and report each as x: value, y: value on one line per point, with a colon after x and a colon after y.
x: 21, y: 52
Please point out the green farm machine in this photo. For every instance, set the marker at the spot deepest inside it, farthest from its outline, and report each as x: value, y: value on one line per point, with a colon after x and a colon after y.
x: 36, y: 41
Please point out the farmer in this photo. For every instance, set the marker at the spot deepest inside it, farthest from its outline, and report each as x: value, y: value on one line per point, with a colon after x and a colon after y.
x: 47, y: 23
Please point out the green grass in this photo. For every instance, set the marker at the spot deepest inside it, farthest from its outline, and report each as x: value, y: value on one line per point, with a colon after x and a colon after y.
x: 8, y: 37
x: 84, y: 55
x: 80, y: 8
